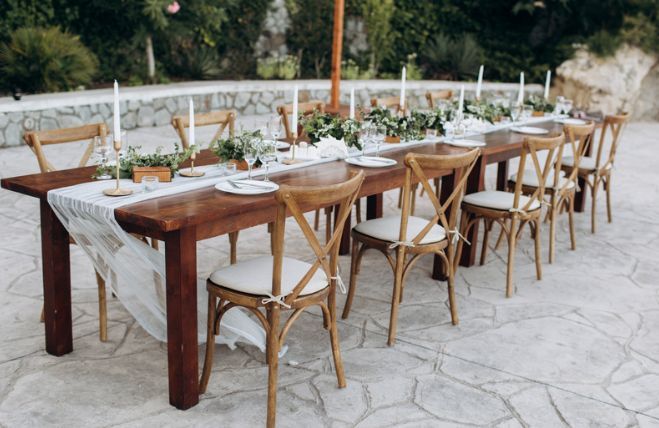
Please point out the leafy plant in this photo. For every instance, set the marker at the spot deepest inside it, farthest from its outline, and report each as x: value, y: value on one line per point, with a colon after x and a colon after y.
x: 233, y: 148
x: 350, y: 70
x: 405, y: 127
x: 277, y: 67
x: 134, y: 158
x: 45, y: 60
x: 433, y: 119
x: 377, y: 15
x: 603, y: 43
x: 452, y: 58
x: 319, y: 125
x: 539, y: 104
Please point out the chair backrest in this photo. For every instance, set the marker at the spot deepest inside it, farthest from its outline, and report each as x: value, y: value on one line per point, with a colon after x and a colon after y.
x: 579, y: 138
x: 303, y: 109
x: 224, y: 118
x: 431, y: 97
x: 295, y: 200
x: 446, y: 213
x: 553, y: 145
x: 37, y: 139
x: 615, y: 124
x: 392, y: 102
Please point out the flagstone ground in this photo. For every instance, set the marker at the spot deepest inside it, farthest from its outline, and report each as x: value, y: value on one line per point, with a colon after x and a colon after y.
x: 579, y: 348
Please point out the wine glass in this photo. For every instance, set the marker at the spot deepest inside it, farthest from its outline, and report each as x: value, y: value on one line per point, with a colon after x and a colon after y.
x: 527, y: 112
x: 567, y: 106
x: 515, y: 111
x: 378, y: 138
x: 102, y: 150
x: 267, y: 154
x: 250, y: 150
x: 275, y: 129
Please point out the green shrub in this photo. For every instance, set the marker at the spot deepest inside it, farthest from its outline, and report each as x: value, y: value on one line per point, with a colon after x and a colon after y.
x: 277, y: 67
x: 46, y: 60
x: 452, y: 58
x: 350, y: 70
x: 603, y: 43
x: 377, y: 15
x: 639, y: 30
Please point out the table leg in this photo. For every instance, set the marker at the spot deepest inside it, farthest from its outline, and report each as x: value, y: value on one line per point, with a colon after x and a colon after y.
x: 56, y: 282
x: 475, y: 183
x: 502, y: 175
x: 344, y: 246
x: 182, y: 346
x: 374, y: 206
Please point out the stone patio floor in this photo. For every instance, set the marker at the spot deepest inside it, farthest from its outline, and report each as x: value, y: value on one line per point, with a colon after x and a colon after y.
x: 579, y: 348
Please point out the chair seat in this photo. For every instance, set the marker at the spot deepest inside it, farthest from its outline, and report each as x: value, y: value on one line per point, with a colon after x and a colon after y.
x: 388, y: 229
x: 498, y: 200
x: 586, y: 162
x: 255, y: 276
x: 530, y: 178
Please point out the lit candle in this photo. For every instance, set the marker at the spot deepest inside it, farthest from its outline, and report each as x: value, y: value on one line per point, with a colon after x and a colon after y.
x: 294, y: 120
x: 352, y: 103
x: 117, y: 114
x: 520, y: 97
x: 402, y: 89
x: 191, y: 138
x: 480, y: 83
x: 461, y: 103
x: 547, y: 82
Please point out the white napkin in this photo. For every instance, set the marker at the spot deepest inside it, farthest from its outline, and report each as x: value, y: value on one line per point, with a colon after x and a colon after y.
x: 329, y: 147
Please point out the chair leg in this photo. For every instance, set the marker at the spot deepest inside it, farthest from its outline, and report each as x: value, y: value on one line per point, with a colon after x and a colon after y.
x: 464, y: 220
x: 538, y: 249
x: 354, y: 260
x: 102, y: 309
x: 272, y: 238
x: 328, y: 224
x: 512, y: 240
x: 316, y: 220
x: 334, y: 339
x: 552, y: 229
x: 500, y: 238
x: 358, y: 210
x: 593, y: 209
x: 451, y: 295
x: 210, y: 344
x: 437, y: 186
x: 395, y: 298
x: 486, y: 235
x: 413, y: 196
x: 570, y: 216
x: 273, y: 364
x: 154, y: 244
x: 609, y: 213
x: 400, y: 197
x: 233, y: 243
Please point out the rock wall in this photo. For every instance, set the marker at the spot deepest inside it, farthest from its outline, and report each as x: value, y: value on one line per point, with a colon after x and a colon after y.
x: 647, y: 104
x: 610, y: 84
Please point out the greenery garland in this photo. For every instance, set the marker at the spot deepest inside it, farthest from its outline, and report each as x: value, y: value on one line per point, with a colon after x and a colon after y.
x: 134, y: 158
x: 233, y: 148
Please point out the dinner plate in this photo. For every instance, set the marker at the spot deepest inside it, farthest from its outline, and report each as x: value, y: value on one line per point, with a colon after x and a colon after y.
x: 371, y: 161
x: 529, y: 130
x: 282, y: 145
x: 247, y: 187
x: 570, y: 121
x: 465, y: 143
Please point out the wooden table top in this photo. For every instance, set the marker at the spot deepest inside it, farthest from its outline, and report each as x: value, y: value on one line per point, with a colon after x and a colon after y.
x: 214, y: 213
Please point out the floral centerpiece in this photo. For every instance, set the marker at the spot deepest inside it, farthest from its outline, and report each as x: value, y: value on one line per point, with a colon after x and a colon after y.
x: 134, y: 159
x: 433, y: 119
x: 540, y: 105
x: 232, y: 149
x: 485, y: 111
x: 322, y: 125
x: 396, y: 127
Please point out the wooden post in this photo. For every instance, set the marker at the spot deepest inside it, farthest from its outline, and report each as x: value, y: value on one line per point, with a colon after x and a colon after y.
x: 337, y: 47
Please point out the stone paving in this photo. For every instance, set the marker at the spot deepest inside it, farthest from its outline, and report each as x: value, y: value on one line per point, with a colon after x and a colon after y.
x: 579, y: 348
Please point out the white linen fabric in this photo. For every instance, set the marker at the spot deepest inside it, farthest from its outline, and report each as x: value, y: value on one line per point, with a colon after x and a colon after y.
x: 388, y: 229
x: 136, y: 272
x: 586, y: 162
x: 530, y: 178
x: 498, y: 200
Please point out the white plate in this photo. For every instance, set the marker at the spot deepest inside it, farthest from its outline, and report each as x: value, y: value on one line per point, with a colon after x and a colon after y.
x: 282, y: 145
x: 570, y: 121
x: 529, y: 130
x: 248, y: 187
x: 465, y: 143
x: 371, y: 161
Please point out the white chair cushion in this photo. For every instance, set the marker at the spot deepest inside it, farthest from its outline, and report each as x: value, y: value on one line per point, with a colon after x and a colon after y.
x: 255, y: 276
x: 587, y: 162
x: 497, y: 200
x: 388, y: 229
x: 530, y: 178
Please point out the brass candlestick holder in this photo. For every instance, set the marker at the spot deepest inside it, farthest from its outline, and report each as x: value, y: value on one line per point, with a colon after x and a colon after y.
x: 190, y: 172
x: 117, y: 191
x: 292, y: 160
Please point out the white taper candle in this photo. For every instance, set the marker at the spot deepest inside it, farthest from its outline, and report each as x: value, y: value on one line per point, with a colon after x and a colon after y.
x: 547, y: 83
x: 116, y: 123
x: 461, y: 103
x: 352, y: 103
x: 520, y: 96
x: 480, y: 83
x: 191, y: 136
x: 294, y: 119
x: 402, y: 88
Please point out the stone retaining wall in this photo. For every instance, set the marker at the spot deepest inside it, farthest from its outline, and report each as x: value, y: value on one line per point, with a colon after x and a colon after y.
x: 155, y: 105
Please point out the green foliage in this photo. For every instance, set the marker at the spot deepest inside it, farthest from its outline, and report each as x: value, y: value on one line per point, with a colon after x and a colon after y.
x: 539, y: 104
x: 433, y: 119
x: 322, y: 125
x: 453, y: 58
x: 378, y: 15
x: 643, y: 31
x: 405, y: 127
x: 310, y: 35
x: 350, y: 70
x: 277, y: 67
x: 134, y: 158
x: 39, y: 60
x: 603, y: 43
x: 233, y: 148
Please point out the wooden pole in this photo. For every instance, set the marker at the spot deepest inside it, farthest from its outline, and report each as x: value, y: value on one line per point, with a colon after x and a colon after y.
x: 337, y: 47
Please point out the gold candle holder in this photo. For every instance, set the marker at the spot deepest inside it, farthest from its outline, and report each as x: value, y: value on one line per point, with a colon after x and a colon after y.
x: 190, y: 172
x: 117, y: 190
x: 292, y: 160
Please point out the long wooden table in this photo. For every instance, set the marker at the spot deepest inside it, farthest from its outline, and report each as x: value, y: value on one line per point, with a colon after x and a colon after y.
x: 183, y: 219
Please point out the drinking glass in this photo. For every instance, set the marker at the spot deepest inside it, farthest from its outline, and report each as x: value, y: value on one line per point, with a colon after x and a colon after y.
x: 515, y: 112
x: 527, y: 112
x: 230, y: 168
x: 149, y: 183
x: 560, y: 104
x: 567, y: 106
x: 102, y: 150
x: 251, y: 153
x: 275, y: 128
x: 365, y: 135
x: 431, y: 134
x: 267, y: 154
x: 378, y: 138
x: 449, y: 130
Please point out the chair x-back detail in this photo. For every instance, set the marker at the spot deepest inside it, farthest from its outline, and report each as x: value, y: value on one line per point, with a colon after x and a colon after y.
x: 596, y: 170
x: 416, y: 236
x: 508, y: 209
x: 277, y: 283
x: 432, y: 97
x: 224, y: 118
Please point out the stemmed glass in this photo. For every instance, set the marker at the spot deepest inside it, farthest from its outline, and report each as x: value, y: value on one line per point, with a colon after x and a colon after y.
x: 267, y: 154
x: 102, y: 149
x: 251, y: 152
x: 275, y: 129
x: 515, y: 112
x: 365, y: 136
x: 378, y: 138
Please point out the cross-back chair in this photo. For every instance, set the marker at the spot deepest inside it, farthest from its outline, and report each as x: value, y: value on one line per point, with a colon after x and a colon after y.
x: 513, y: 210
x: 224, y: 119
x: 596, y: 170
x: 433, y: 97
x: 406, y: 234
x: 277, y: 283
x: 36, y: 140
x: 562, y: 190
x: 392, y: 102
